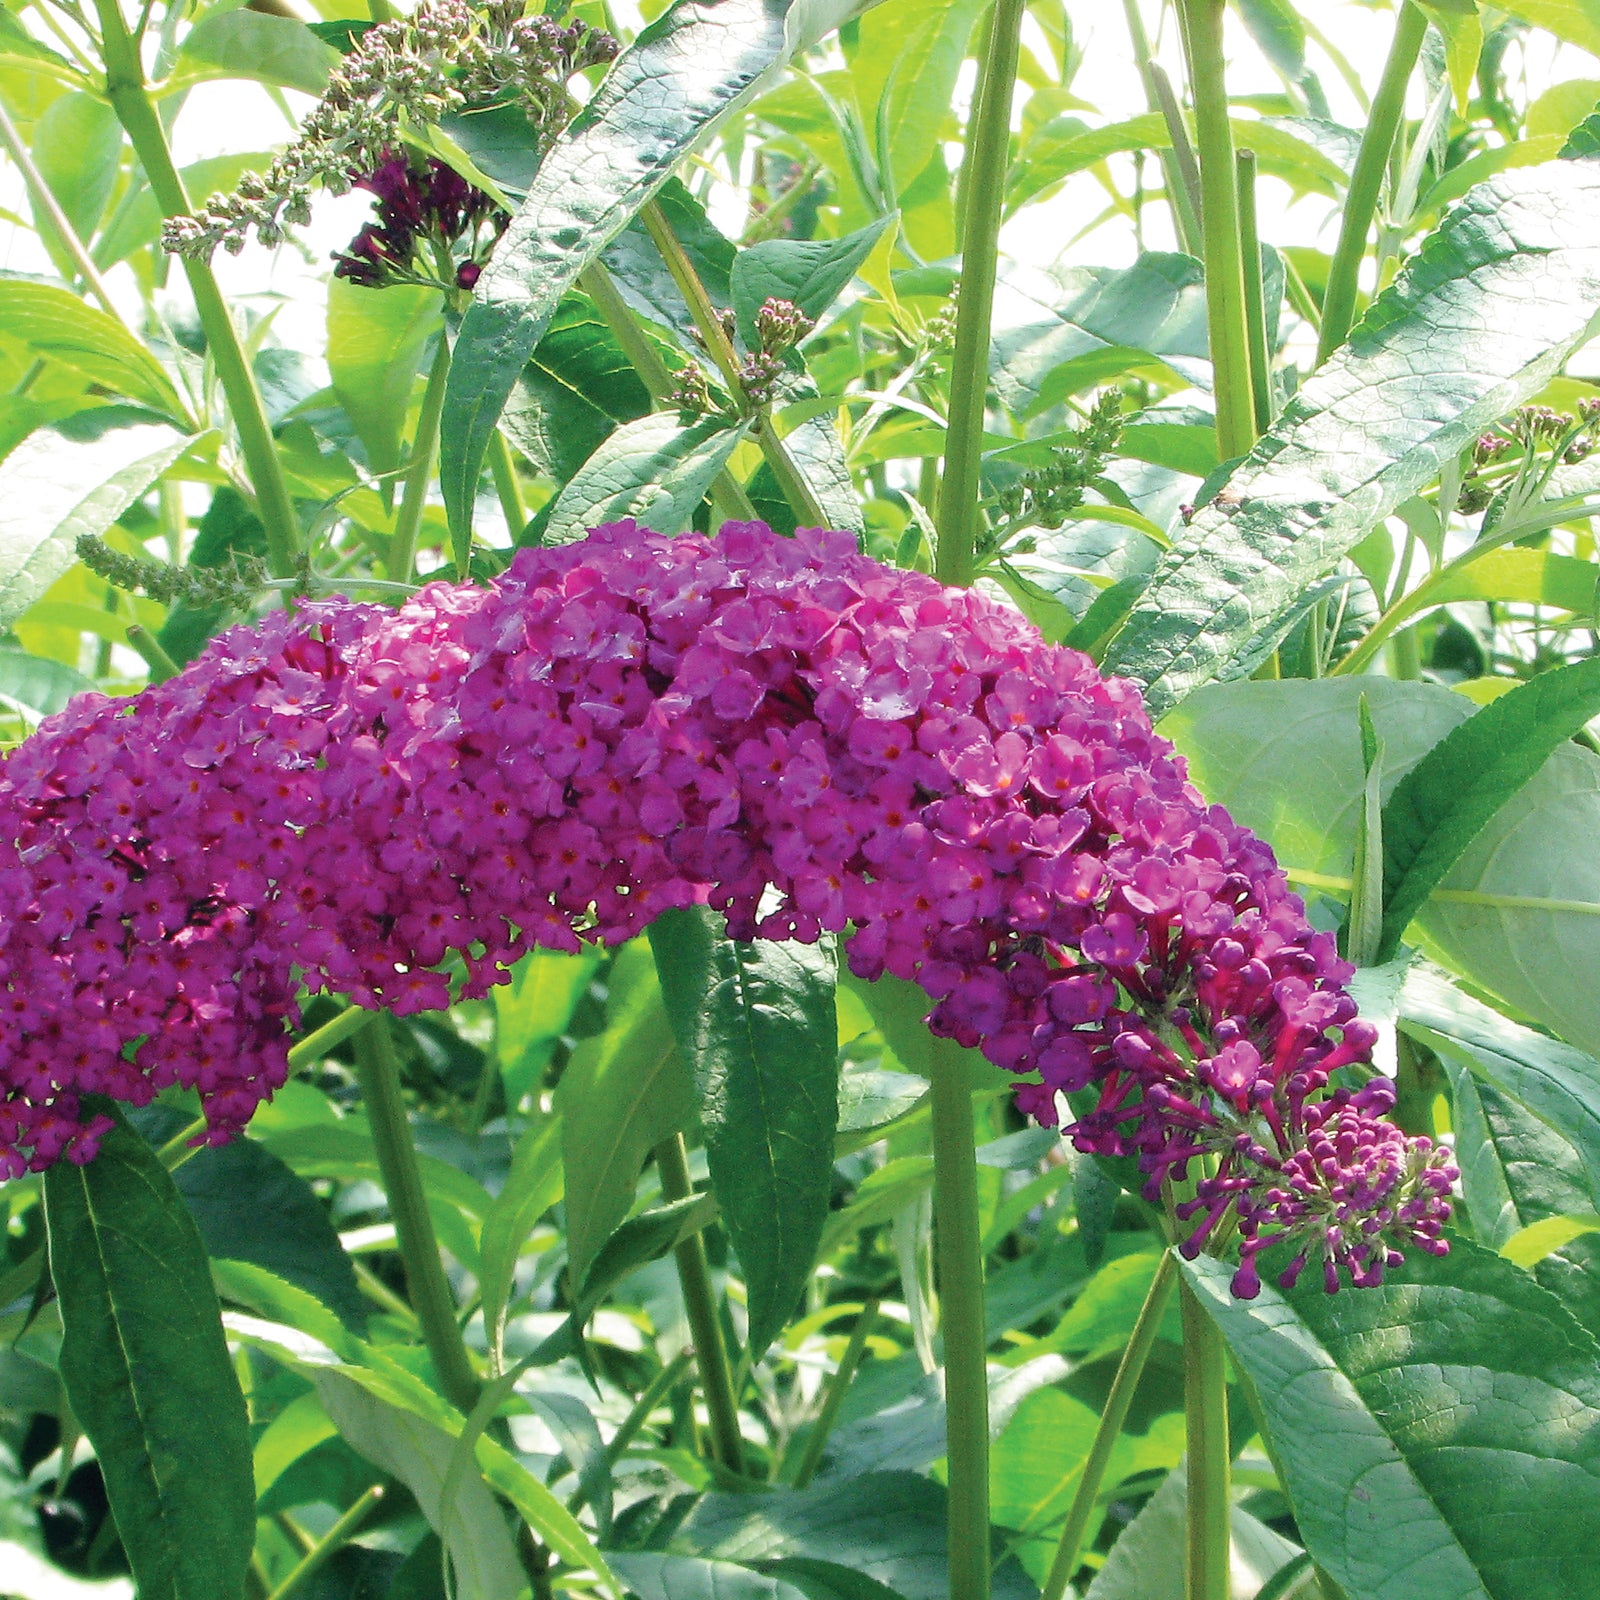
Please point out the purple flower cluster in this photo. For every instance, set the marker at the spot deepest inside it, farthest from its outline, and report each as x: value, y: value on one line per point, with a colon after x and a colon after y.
x: 780, y: 728
x: 430, y: 205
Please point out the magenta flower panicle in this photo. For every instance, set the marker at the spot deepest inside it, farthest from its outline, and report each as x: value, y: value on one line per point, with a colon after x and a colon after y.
x: 779, y: 728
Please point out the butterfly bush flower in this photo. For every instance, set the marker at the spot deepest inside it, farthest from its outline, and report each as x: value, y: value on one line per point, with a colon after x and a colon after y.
x: 780, y: 728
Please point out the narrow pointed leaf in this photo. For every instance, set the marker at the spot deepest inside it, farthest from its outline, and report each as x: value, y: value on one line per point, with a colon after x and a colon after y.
x: 147, y: 1371
x: 1486, y: 313
x: 757, y: 1023
x: 1448, y: 798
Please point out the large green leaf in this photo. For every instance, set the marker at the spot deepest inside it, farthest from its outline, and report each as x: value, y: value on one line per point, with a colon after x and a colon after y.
x: 57, y: 326
x: 418, y: 1452
x: 77, y: 146
x: 254, y: 44
x: 757, y: 1023
x: 657, y: 1577
x: 1446, y: 800
x: 533, y: 1185
x: 1518, y: 913
x: 812, y: 273
x: 655, y: 469
x: 1574, y: 20
x: 1496, y: 299
x: 533, y: 1011
x: 375, y: 343
x: 147, y: 1370
x: 1439, y: 1436
x: 250, y: 1206
x: 623, y: 1092
x: 661, y: 96
x: 54, y: 489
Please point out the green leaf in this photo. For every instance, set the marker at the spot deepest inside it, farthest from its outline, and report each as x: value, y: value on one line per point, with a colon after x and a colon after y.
x: 36, y: 683
x: 250, y: 1206
x: 906, y: 64
x: 533, y: 1185
x: 147, y: 1370
x: 578, y: 1435
x: 1530, y: 1246
x: 77, y: 147
x: 376, y: 339
x: 661, y: 96
x: 1279, y: 34
x: 1438, y: 1436
x: 623, y: 1092
x: 812, y: 273
x: 254, y: 44
x: 1577, y: 21
x: 655, y: 469
x: 888, y: 1525
x: 418, y: 1451
x: 57, y: 326
x: 1462, y: 31
x: 657, y: 1577
x: 45, y: 505
x: 1448, y: 798
x: 534, y: 1010
x: 756, y: 1021
x: 1487, y: 312
x: 1147, y: 1563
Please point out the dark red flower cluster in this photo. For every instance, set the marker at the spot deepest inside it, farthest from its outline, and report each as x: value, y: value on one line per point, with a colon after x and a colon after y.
x: 428, y: 206
x: 781, y: 728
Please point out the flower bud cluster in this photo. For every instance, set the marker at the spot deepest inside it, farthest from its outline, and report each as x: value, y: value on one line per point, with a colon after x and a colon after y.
x: 404, y: 75
x: 1046, y: 496
x: 780, y: 728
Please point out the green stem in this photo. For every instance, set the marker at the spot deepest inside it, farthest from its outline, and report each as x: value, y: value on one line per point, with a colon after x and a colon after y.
x: 379, y: 1070
x: 320, y: 1041
x: 329, y: 1544
x: 983, y: 180
x: 161, y: 665
x: 1208, y: 1532
x: 1185, y: 169
x: 1112, y: 1416
x: 1255, y: 300
x: 503, y: 466
x: 1366, y: 180
x: 596, y: 282
x: 47, y: 209
x: 419, y: 471
x: 1226, y: 319
x: 125, y: 87
x: 959, y: 1256
x: 791, y: 481
x: 838, y: 1387
x: 700, y: 1305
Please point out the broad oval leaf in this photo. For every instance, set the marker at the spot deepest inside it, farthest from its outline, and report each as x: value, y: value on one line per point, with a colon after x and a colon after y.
x: 758, y: 1025
x: 652, y: 1576
x: 147, y: 1370
x: 1496, y: 299
x: 662, y: 94
x: 375, y: 344
x: 811, y: 273
x: 1439, y: 1436
x: 656, y: 470
x: 255, y: 44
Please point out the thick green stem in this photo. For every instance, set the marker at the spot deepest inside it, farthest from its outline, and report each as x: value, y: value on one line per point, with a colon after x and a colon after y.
x: 983, y: 180
x: 161, y: 665
x: 791, y: 480
x: 47, y: 210
x: 838, y: 1388
x: 320, y: 1041
x: 1366, y: 180
x: 1112, y: 1416
x: 329, y: 1544
x: 700, y: 1306
x: 378, y: 1068
x: 1226, y: 319
x: 125, y: 88
x: 1255, y: 300
x: 419, y: 471
x: 1208, y: 1532
x: 959, y: 1258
